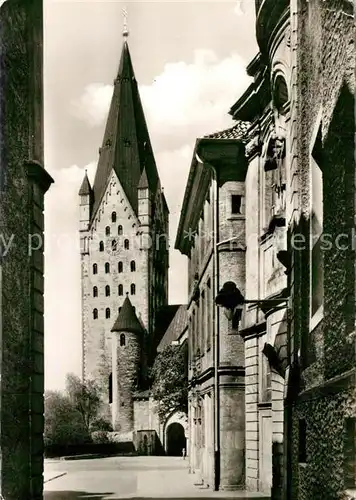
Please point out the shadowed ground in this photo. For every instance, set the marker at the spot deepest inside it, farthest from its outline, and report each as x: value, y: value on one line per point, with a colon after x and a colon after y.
x: 126, y: 478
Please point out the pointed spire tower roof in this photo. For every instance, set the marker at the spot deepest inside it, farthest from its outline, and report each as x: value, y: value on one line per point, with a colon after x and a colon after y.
x: 143, y: 184
x: 127, y: 320
x: 85, y: 188
x: 126, y: 145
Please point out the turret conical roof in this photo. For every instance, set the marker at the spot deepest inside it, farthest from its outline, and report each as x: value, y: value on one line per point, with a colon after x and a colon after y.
x: 126, y: 145
x: 127, y: 320
x: 85, y: 188
x: 143, y: 184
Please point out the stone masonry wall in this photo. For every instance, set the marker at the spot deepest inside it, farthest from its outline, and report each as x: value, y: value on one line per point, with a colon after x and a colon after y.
x: 97, y: 332
x: 323, y: 98
x: 125, y: 377
x: 23, y: 184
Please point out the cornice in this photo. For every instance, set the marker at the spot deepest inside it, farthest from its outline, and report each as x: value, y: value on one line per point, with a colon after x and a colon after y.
x: 38, y: 174
x: 270, y: 15
x: 254, y: 331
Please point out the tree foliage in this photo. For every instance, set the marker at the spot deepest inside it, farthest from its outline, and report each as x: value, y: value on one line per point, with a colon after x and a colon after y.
x: 170, y: 380
x: 71, y: 415
x: 63, y: 424
x: 85, y: 398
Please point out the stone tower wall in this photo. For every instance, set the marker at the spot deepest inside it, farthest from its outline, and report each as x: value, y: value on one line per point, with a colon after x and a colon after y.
x: 97, y: 332
x: 126, y: 372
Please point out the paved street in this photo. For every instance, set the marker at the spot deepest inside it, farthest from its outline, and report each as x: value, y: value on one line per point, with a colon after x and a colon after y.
x: 125, y: 477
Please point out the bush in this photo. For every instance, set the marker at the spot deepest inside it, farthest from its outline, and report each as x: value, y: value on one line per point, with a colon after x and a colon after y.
x: 101, y: 424
x: 100, y: 437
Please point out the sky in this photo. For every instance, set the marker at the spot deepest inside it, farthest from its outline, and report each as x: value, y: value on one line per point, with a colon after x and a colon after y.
x: 190, y: 62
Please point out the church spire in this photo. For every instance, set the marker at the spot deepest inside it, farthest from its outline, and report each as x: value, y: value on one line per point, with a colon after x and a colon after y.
x: 126, y: 146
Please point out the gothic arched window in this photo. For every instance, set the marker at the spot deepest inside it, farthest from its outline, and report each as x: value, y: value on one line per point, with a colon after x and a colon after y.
x: 126, y: 244
x: 107, y: 267
x: 119, y: 230
x: 120, y: 267
x: 101, y: 246
x: 133, y: 289
x: 95, y: 291
x: 113, y: 217
x: 121, y: 290
x: 107, y: 291
x: 107, y: 231
x: 110, y: 388
x: 133, y: 266
x: 107, y: 313
x: 122, y: 339
x: 95, y: 268
x: 95, y: 313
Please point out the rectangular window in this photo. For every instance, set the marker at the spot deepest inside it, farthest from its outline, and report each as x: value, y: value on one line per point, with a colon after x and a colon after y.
x: 268, y: 197
x: 208, y: 224
x: 201, y: 239
x: 202, y: 324
x: 265, y: 380
x: 302, y: 441
x: 316, y: 229
x: 235, y: 204
x: 209, y: 310
x: 194, y: 336
x: 350, y: 453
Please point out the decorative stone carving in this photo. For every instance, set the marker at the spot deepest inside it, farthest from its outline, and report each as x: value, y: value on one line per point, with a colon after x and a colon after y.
x: 253, y: 147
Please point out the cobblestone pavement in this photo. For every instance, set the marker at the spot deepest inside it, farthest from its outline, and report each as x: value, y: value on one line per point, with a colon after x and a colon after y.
x: 125, y: 478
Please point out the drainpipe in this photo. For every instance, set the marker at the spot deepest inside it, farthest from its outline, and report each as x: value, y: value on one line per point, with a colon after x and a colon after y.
x: 216, y: 322
x: 216, y: 333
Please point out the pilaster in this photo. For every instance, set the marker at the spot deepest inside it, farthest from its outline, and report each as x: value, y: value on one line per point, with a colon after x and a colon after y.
x: 23, y: 184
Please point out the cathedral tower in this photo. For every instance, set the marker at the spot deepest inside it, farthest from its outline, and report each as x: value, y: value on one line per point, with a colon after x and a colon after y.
x: 120, y: 216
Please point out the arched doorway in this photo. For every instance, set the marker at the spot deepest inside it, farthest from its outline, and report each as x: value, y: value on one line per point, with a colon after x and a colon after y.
x: 175, y: 439
x: 145, y: 445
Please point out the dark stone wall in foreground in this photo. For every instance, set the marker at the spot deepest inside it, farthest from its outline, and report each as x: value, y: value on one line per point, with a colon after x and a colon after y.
x: 326, y: 87
x: 23, y: 182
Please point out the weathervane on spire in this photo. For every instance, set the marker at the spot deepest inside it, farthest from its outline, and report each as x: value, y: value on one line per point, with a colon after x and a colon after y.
x: 125, y: 31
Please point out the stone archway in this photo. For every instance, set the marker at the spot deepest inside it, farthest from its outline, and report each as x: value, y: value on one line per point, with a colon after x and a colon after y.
x: 175, y: 439
x: 177, y: 417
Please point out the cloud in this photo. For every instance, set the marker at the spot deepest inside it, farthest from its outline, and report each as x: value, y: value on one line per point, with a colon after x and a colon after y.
x: 240, y: 7
x: 184, y: 101
x: 93, y: 105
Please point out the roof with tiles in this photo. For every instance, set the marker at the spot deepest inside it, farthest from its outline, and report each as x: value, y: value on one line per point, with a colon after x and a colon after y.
x: 238, y: 131
x: 127, y: 320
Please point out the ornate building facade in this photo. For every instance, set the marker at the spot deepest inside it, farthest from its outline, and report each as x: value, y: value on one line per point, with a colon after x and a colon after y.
x: 124, y: 254
x: 304, y: 88
x: 213, y: 213
x: 290, y: 289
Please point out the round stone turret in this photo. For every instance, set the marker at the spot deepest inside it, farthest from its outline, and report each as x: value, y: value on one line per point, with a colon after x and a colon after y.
x: 126, y: 361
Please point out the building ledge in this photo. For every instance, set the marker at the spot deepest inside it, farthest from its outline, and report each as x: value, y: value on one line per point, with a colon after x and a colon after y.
x: 350, y: 494
x: 269, y: 16
x: 35, y: 171
x: 330, y: 387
